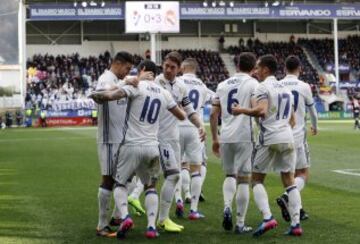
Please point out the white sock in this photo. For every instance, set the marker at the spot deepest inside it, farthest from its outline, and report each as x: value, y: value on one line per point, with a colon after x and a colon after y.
x: 131, y: 185
x: 178, y: 196
x: 229, y: 190
x: 195, y: 189
x: 294, y: 204
x: 242, y: 203
x: 151, y: 205
x: 166, y: 196
x: 104, y: 197
x: 120, y: 198
x: 116, y: 213
x: 262, y: 201
x: 203, y: 172
x: 185, y: 182
x: 300, y: 183
x: 138, y: 190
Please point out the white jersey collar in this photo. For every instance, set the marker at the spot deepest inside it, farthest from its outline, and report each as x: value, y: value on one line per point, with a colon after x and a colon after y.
x: 241, y: 74
x: 290, y: 76
x: 190, y: 75
x: 271, y: 78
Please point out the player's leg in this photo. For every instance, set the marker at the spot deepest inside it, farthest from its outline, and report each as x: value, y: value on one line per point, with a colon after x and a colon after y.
x: 301, y: 177
x: 126, y: 167
x: 134, y: 197
x: 106, y: 158
x: 193, y: 152
x: 286, y: 161
x: 185, y: 181
x: 243, y: 155
x: 116, y: 216
x: 178, y: 190
x: 171, y: 173
x: 262, y: 160
x: 229, y: 185
x: 148, y: 172
x: 203, y: 170
x: 176, y: 148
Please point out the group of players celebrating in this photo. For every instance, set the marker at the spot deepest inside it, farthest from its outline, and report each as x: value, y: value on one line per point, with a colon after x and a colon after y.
x: 149, y: 124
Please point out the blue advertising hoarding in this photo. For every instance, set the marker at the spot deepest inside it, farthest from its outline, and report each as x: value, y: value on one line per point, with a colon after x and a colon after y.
x: 198, y: 11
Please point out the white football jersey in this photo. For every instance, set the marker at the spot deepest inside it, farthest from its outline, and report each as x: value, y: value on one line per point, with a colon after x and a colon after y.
x: 169, y: 125
x: 111, y: 115
x: 235, y: 90
x: 197, y: 93
x: 146, y: 104
x: 275, y: 127
x: 209, y: 98
x: 302, y: 98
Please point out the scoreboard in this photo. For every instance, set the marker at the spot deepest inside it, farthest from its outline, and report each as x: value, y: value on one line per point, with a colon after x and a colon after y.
x: 152, y: 17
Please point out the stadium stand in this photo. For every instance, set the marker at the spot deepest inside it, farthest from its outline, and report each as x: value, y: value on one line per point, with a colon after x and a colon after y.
x: 281, y: 50
x: 63, y: 78
x: 349, y: 52
x: 212, y: 69
x: 69, y: 77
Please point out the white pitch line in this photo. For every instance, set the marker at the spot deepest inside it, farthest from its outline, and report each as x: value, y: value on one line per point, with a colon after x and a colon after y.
x: 347, y: 172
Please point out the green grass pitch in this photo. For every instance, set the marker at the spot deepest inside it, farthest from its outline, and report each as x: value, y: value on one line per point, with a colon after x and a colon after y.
x: 49, y: 180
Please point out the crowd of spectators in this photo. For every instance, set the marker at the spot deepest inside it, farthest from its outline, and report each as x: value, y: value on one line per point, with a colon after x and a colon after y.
x: 69, y: 77
x: 280, y: 50
x: 349, y: 53
x: 211, y: 70
x: 63, y: 77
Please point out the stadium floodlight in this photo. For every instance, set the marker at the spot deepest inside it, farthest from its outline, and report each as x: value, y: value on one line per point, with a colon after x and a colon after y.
x: 276, y: 3
x: 244, y: 21
x: 205, y: 4
x: 231, y: 4
x: 213, y: 4
x: 292, y: 3
x: 102, y: 4
x: 93, y: 4
x: 75, y: 4
x: 84, y: 4
x: 222, y: 3
x: 266, y: 4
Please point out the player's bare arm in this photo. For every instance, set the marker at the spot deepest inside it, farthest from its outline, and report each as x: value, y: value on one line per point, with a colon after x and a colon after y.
x: 313, y: 119
x: 215, y: 112
x: 111, y: 95
x: 194, y: 118
x: 178, y: 113
x: 259, y: 110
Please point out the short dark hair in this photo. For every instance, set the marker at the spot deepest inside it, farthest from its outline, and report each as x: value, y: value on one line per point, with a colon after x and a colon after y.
x: 269, y: 61
x: 246, y: 61
x: 148, y: 65
x: 292, y: 63
x: 124, y: 57
x: 175, y: 57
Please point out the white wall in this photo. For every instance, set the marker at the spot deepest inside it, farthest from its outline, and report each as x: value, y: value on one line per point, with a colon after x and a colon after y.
x: 210, y: 43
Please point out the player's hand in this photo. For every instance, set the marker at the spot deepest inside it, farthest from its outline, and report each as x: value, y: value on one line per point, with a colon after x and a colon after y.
x: 314, y: 131
x: 236, y: 109
x: 133, y: 81
x: 146, y: 75
x: 216, y: 148
x: 202, y: 134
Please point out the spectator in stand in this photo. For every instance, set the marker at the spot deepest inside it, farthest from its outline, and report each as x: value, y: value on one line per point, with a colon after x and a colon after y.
x: 211, y: 67
x: 280, y: 50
